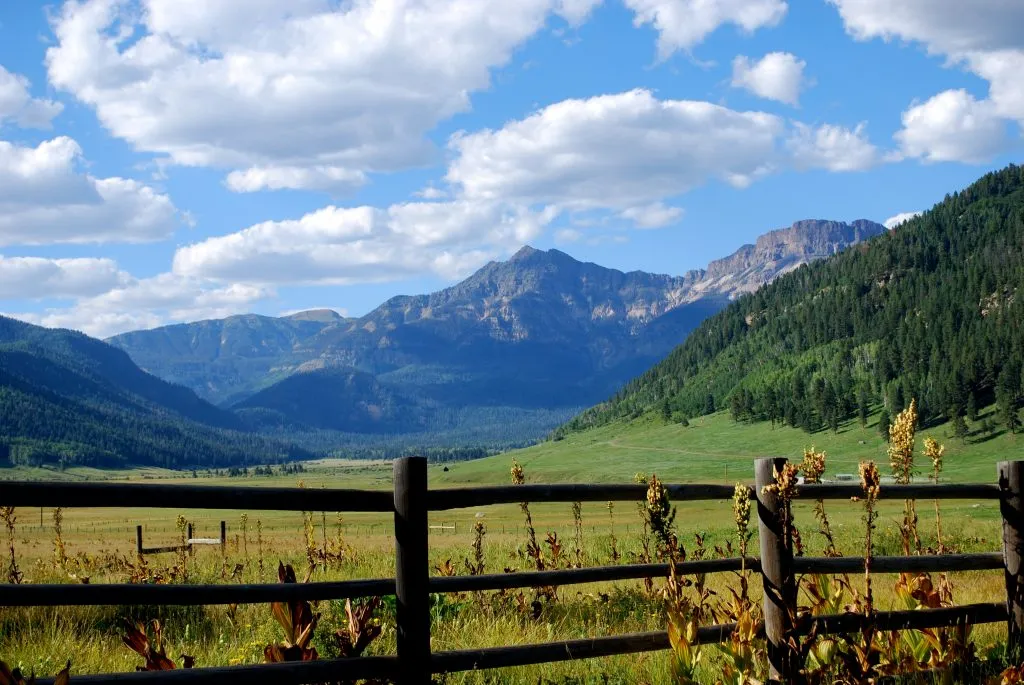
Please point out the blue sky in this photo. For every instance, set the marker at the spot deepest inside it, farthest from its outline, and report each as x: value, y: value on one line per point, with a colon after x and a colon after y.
x: 172, y: 160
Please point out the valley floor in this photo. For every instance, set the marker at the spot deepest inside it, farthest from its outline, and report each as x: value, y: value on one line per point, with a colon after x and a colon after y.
x: 715, y: 450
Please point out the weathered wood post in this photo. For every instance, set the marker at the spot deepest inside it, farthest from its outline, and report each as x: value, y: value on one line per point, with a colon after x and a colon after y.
x: 412, y: 571
x: 188, y: 537
x: 224, y: 539
x: 138, y: 540
x: 776, y: 572
x: 1011, y: 506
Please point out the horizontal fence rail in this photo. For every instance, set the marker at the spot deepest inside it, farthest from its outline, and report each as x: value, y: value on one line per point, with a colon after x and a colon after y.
x: 411, y: 500
x: 462, y: 498
x: 972, y: 491
x: 160, y: 496
x: 188, y: 595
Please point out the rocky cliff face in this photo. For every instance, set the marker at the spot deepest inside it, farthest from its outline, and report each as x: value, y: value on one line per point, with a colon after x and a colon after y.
x: 539, y: 330
x: 780, y: 251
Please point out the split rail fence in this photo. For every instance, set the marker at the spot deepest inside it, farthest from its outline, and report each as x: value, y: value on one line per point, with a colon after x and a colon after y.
x: 411, y: 501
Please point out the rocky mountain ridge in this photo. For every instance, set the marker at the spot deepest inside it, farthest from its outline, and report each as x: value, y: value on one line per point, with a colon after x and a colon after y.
x: 539, y: 331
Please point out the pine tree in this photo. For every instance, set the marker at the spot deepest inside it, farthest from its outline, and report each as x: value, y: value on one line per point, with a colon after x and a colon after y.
x: 666, y: 411
x: 883, y: 425
x: 972, y: 407
x: 709, y: 404
x: 960, y: 428
x: 863, y: 409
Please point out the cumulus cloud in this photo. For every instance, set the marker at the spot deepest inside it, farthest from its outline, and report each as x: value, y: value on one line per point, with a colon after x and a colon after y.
x: 364, y: 244
x: 682, y: 24
x: 46, y: 198
x: 902, y: 217
x: 288, y: 94
x: 834, y: 148
x: 654, y: 215
x: 17, y: 106
x: 776, y: 76
x: 331, y: 179
x: 567, y: 236
x: 148, y: 303
x: 613, y: 152
x: 39, y: 278
x: 984, y: 37
x: 952, y: 127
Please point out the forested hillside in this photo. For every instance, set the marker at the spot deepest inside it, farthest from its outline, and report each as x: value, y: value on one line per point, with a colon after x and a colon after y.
x: 933, y: 310
x: 67, y: 399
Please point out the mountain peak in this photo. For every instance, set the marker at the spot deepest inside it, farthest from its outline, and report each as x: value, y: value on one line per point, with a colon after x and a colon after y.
x: 318, y: 315
x: 525, y: 252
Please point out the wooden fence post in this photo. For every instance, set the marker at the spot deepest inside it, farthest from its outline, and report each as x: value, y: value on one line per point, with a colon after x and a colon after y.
x: 776, y: 573
x: 189, y: 537
x: 1011, y: 506
x: 223, y: 538
x: 138, y: 540
x: 412, y: 571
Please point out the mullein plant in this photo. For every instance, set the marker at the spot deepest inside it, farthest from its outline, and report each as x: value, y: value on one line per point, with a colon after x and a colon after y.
x: 181, y: 568
x: 244, y: 524
x: 532, y: 548
x: 7, y: 515
x: 901, y: 458
x: 60, y: 553
x: 259, y: 546
x: 644, y: 556
x: 862, y: 660
x: 614, y: 551
x: 826, y: 592
x: 577, y: 517
x: 934, y: 450
x: 742, y: 652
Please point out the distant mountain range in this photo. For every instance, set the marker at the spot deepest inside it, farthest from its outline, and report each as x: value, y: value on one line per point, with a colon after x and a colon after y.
x: 505, y: 355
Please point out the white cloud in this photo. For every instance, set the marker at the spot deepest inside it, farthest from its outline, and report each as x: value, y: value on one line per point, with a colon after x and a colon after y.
x: 364, y: 244
x: 834, y: 148
x: 654, y: 215
x: 984, y: 37
x: 39, y: 278
x: 952, y: 127
x: 267, y: 88
x: 945, y: 26
x: 566, y: 236
x: 148, y: 303
x: 894, y: 221
x: 613, y: 152
x: 431, y: 193
x: 19, y: 107
x: 682, y: 24
x: 776, y: 76
x: 335, y: 180
x: 45, y: 198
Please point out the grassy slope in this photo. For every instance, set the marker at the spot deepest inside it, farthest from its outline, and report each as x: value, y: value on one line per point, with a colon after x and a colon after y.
x: 718, y: 450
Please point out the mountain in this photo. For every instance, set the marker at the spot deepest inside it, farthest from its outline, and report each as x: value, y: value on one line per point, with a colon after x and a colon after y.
x: 226, y: 359
x: 930, y: 311
x: 538, y: 336
x: 67, y: 398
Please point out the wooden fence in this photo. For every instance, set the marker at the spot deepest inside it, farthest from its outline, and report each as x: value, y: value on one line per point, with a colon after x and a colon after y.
x: 414, y: 663
x: 188, y: 546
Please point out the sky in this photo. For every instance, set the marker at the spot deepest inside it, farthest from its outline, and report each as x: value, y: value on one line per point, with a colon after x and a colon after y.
x: 173, y: 160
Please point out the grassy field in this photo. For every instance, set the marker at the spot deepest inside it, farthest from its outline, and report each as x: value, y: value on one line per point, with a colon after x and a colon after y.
x: 713, y: 450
